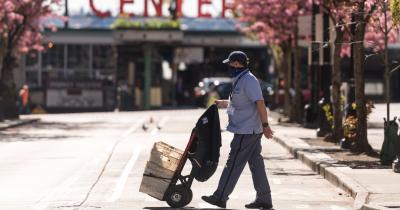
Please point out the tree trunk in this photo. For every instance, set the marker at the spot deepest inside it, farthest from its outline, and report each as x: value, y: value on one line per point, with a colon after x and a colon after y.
x: 298, y: 99
x: 336, y: 83
x: 278, y: 73
x: 8, y: 97
x: 362, y: 144
x: 277, y: 76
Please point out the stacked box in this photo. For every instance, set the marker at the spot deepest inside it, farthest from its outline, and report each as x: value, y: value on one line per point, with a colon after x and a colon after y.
x: 164, y: 160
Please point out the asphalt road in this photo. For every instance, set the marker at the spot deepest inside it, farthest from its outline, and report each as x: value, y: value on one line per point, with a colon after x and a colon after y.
x: 96, y: 161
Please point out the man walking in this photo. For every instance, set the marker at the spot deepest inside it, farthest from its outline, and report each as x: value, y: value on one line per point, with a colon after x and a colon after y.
x: 248, y: 120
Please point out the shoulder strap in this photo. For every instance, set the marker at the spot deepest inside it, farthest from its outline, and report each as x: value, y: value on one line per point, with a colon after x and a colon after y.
x: 237, y: 81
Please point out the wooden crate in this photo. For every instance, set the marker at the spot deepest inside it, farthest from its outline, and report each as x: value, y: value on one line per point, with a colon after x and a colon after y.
x: 165, y: 156
x: 156, y: 180
x: 156, y: 170
x: 154, y: 187
x: 164, y: 160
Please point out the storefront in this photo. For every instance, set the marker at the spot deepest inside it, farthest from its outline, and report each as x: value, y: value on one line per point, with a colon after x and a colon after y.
x: 90, y: 66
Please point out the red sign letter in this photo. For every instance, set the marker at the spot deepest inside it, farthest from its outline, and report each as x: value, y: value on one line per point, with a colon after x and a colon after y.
x: 179, y: 7
x: 225, y: 7
x: 122, y: 5
x: 158, y: 7
x: 97, y: 12
x: 200, y: 11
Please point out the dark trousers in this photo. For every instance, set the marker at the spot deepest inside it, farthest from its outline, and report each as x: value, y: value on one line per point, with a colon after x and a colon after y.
x: 245, y: 148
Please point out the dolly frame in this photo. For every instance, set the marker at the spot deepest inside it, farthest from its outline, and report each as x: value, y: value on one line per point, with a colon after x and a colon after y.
x: 186, y: 181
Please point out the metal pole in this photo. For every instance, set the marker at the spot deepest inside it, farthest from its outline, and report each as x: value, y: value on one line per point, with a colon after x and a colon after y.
x: 147, y: 76
x: 66, y: 14
x: 387, y: 71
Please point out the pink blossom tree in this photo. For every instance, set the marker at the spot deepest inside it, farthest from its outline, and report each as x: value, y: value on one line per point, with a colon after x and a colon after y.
x: 339, y: 13
x: 20, y: 31
x: 276, y: 22
x: 372, y: 31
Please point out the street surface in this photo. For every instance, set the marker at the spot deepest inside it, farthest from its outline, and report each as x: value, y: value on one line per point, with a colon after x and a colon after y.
x: 96, y: 161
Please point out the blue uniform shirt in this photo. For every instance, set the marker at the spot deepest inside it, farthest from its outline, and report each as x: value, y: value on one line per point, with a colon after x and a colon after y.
x: 245, y: 119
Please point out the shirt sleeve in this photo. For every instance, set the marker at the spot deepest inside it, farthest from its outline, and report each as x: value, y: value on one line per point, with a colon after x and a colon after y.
x: 252, y: 89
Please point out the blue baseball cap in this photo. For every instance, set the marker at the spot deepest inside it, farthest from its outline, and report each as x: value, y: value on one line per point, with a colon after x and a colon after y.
x: 239, y: 56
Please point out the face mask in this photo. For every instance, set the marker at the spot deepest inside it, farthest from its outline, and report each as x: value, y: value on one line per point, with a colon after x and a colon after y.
x: 236, y: 71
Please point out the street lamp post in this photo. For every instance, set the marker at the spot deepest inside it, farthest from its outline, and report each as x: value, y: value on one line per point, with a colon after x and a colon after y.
x: 66, y: 14
x: 325, y: 78
x: 311, y: 109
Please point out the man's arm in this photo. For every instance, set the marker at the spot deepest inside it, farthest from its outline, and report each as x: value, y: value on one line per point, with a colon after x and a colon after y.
x: 262, y: 111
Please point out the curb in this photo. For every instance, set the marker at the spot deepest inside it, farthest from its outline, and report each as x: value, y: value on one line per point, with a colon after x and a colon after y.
x: 19, y: 123
x: 326, y: 166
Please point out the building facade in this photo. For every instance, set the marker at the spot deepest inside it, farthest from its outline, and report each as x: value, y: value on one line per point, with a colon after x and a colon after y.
x: 90, y: 66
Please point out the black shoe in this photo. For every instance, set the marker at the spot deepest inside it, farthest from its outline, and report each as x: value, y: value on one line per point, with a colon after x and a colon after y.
x: 258, y: 205
x: 214, y: 201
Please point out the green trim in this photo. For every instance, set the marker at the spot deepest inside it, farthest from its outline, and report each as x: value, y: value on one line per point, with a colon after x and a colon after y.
x: 126, y: 23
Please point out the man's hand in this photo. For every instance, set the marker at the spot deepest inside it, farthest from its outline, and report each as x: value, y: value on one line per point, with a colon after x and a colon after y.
x: 222, y: 103
x: 268, y: 133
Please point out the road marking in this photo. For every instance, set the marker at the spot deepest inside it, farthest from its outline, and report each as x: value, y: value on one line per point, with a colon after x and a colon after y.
x: 163, y: 121
x: 150, y: 199
x: 125, y: 174
x: 43, y: 203
x: 155, y: 130
x: 305, y: 206
x: 333, y: 207
x: 276, y: 181
x: 133, y: 127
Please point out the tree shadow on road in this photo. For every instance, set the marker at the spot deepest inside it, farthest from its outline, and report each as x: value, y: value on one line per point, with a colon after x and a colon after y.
x: 17, y: 137
x: 49, y: 131
x: 66, y: 126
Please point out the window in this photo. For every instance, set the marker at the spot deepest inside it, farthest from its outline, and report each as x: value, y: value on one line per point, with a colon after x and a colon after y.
x: 103, y: 62
x: 78, y: 57
x: 32, y: 61
x: 53, y: 58
x: 32, y: 69
x: 78, y: 65
x: 103, y: 57
x: 32, y: 79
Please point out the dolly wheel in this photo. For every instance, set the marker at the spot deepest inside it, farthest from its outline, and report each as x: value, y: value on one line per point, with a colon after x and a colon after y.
x: 179, y: 196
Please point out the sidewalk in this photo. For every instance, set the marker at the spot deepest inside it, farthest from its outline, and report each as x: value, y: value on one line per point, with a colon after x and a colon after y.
x: 16, y: 122
x: 371, y: 188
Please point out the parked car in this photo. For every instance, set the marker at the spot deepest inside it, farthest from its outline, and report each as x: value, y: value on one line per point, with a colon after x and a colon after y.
x: 206, y: 85
x: 268, y: 93
x: 224, y: 88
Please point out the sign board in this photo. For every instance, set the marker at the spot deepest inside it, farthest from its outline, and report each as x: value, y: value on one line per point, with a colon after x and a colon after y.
x: 160, y: 8
x: 74, y: 94
x: 189, y: 55
x: 74, y: 98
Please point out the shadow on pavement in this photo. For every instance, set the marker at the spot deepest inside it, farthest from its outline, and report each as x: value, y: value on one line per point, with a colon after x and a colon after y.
x: 364, y: 164
x: 66, y: 126
x: 15, y: 137
x: 278, y: 158
x: 281, y: 172
x: 187, y: 208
